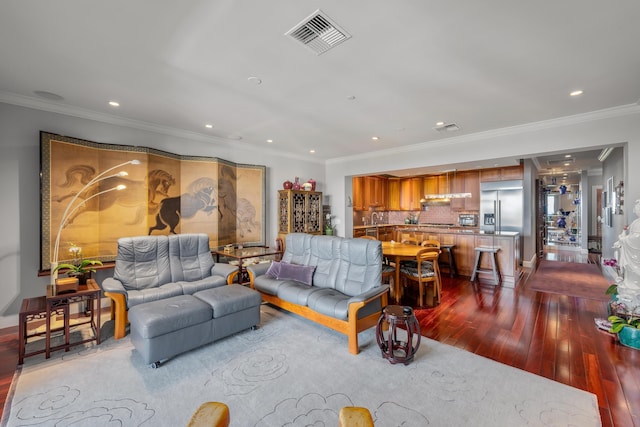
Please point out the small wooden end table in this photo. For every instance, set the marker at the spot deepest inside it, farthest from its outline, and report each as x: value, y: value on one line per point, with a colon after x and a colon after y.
x: 44, y: 308
x: 394, y: 349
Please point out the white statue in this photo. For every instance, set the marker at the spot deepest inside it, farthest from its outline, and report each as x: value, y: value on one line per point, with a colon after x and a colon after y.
x: 628, y: 245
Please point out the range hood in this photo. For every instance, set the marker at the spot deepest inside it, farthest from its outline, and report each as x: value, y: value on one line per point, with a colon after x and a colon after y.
x: 443, y: 199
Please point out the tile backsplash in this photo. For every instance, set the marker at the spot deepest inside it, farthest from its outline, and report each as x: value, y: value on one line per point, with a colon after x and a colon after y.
x: 434, y: 214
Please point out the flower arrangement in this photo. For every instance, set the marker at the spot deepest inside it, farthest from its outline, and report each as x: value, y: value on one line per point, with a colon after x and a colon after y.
x: 328, y: 228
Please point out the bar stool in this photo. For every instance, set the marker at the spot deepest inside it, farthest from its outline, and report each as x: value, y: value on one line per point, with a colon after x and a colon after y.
x: 493, y: 253
x: 450, y: 261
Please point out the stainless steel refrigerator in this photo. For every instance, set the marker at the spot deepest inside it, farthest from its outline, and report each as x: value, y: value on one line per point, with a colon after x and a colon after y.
x: 501, y: 204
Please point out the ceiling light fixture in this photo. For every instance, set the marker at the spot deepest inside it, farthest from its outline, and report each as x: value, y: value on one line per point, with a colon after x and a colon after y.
x: 208, y: 126
x: 576, y: 93
x: 375, y: 138
x: 439, y: 123
x: 114, y: 103
x: 312, y: 151
x: 605, y: 153
x: 255, y: 80
x: 269, y: 141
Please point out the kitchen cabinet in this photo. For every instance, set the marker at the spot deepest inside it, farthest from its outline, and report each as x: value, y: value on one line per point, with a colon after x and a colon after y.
x: 393, y: 194
x: 410, y: 194
x: 359, y: 232
x: 357, y: 193
x: 466, y: 182
x: 501, y: 174
x: 375, y: 192
x: 369, y: 191
x: 385, y: 234
x: 299, y: 212
x: 435, y: 184
x: 464, y: 253
x: 508, y: 257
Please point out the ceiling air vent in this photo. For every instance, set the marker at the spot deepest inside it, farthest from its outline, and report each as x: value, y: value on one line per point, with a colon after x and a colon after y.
x: 449, y: 127
x: 318, y: 33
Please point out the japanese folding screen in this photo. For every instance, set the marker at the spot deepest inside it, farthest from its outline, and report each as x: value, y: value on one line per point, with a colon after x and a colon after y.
x: 84, y: 201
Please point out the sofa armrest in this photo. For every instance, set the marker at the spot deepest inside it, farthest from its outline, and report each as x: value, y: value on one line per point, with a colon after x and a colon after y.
x: 113, y: 285
x: 370, y: 294
x: 223, y: 269
x: 258, y: 269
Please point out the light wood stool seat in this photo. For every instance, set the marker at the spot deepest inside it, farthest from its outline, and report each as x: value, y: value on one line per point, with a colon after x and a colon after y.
x: 210, y: 414
x: 493, y: 253
x: 353, y: 416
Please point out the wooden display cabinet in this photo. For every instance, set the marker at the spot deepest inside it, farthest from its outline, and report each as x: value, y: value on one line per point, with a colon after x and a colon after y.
x: 299, y: 212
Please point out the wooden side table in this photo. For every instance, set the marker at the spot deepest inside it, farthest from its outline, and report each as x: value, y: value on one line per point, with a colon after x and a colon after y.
x: 395, y: 349
x: 89, y: 293
x: 32, y: 309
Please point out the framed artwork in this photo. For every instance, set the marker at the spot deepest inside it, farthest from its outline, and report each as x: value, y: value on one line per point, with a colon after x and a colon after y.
x: 93, y: 193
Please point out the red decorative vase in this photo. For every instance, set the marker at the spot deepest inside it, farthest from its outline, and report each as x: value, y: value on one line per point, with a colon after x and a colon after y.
x: 296, y: 184
x: 313, y: 184
x: 287, y: 185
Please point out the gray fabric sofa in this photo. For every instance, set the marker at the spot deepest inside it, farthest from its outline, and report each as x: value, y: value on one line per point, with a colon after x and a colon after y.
x: 151, y: 268
x: 345, y: 292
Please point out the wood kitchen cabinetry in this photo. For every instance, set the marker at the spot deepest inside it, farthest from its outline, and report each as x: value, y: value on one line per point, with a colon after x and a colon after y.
x: 501, y: 174
x: 369, y: 191
x: 410, y: 194
x: 299, y: 212
x: 435, y: 184
x: 508, y: 257
x: 466, y: 182
x: 393, y: 194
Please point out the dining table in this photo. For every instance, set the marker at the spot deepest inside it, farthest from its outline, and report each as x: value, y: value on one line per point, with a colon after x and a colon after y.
x: 398, y: 252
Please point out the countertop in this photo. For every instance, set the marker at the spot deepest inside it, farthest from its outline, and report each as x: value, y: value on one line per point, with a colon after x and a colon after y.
x: 441, y: 229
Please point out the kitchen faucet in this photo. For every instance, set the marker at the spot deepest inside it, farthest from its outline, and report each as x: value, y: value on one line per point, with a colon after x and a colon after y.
x: 374, y: 218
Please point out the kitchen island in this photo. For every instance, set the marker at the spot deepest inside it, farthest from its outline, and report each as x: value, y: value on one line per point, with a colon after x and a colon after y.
x: 465, y: 240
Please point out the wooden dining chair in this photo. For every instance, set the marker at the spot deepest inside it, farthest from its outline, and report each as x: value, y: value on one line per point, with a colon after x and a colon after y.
x: 279, y: 248
x: 425, y: 272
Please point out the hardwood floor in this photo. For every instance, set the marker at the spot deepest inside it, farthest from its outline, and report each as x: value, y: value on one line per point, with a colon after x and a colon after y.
x: 549, y: 335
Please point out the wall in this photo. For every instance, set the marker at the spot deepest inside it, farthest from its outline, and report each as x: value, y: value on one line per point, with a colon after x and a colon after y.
x: 19, y: 183
x: 583, y: 132
x: 614, y: 166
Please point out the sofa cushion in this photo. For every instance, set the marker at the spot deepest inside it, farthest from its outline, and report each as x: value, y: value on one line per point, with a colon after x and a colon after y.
x: 299, y: 273
x: 274, y: 269
x: 142, y: 262
x: 229, y: 299
x: 360, y: 267
x: 168, y: 315
x: 190, y: 288
x: 330, y: 302
x: 325, y: 255
x: 267, y: 284
x: 190, y: 257
x: 296, y: 292
x: 298, y: 248
x: 168, y: 290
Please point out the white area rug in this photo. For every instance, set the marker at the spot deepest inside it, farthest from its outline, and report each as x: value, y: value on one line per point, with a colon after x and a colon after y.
x: 289, y: 372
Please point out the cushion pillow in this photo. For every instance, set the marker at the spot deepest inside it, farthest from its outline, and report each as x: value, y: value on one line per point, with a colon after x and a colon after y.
x: 300, y: 273
x: 274, y: 269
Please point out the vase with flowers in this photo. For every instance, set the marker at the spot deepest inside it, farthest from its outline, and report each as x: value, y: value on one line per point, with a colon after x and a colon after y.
x: 328, y: 228
x: 625, y: 292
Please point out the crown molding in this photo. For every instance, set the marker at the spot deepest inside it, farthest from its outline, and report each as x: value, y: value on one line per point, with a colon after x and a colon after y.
x: 619, y: 111
x: 82, y: 113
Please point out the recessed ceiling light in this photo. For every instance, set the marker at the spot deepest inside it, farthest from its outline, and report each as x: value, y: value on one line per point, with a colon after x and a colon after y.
x: 312, y: 151
x: 375, y: 138
x: 255, y: 80
x: 351, y: 97
x: 567, y: 156
x: 208, y: 126
x: 439, y: 123
x: 567, y: 164
x: 576, y: 93
x: 114, y: 103
x: 269, y: 141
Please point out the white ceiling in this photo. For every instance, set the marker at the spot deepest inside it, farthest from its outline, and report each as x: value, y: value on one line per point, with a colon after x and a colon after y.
x: 182, y: 64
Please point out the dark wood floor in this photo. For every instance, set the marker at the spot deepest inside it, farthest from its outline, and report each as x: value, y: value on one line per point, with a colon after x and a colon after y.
x: 550, y: 335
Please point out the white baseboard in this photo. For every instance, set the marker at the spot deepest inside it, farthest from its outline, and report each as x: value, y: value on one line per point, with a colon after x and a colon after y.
x: 531, y: 263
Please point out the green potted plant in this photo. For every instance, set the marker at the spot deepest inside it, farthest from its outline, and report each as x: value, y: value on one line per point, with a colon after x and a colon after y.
x: 82, y: 270
x: 328, y: 228
x: 625, y: 322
